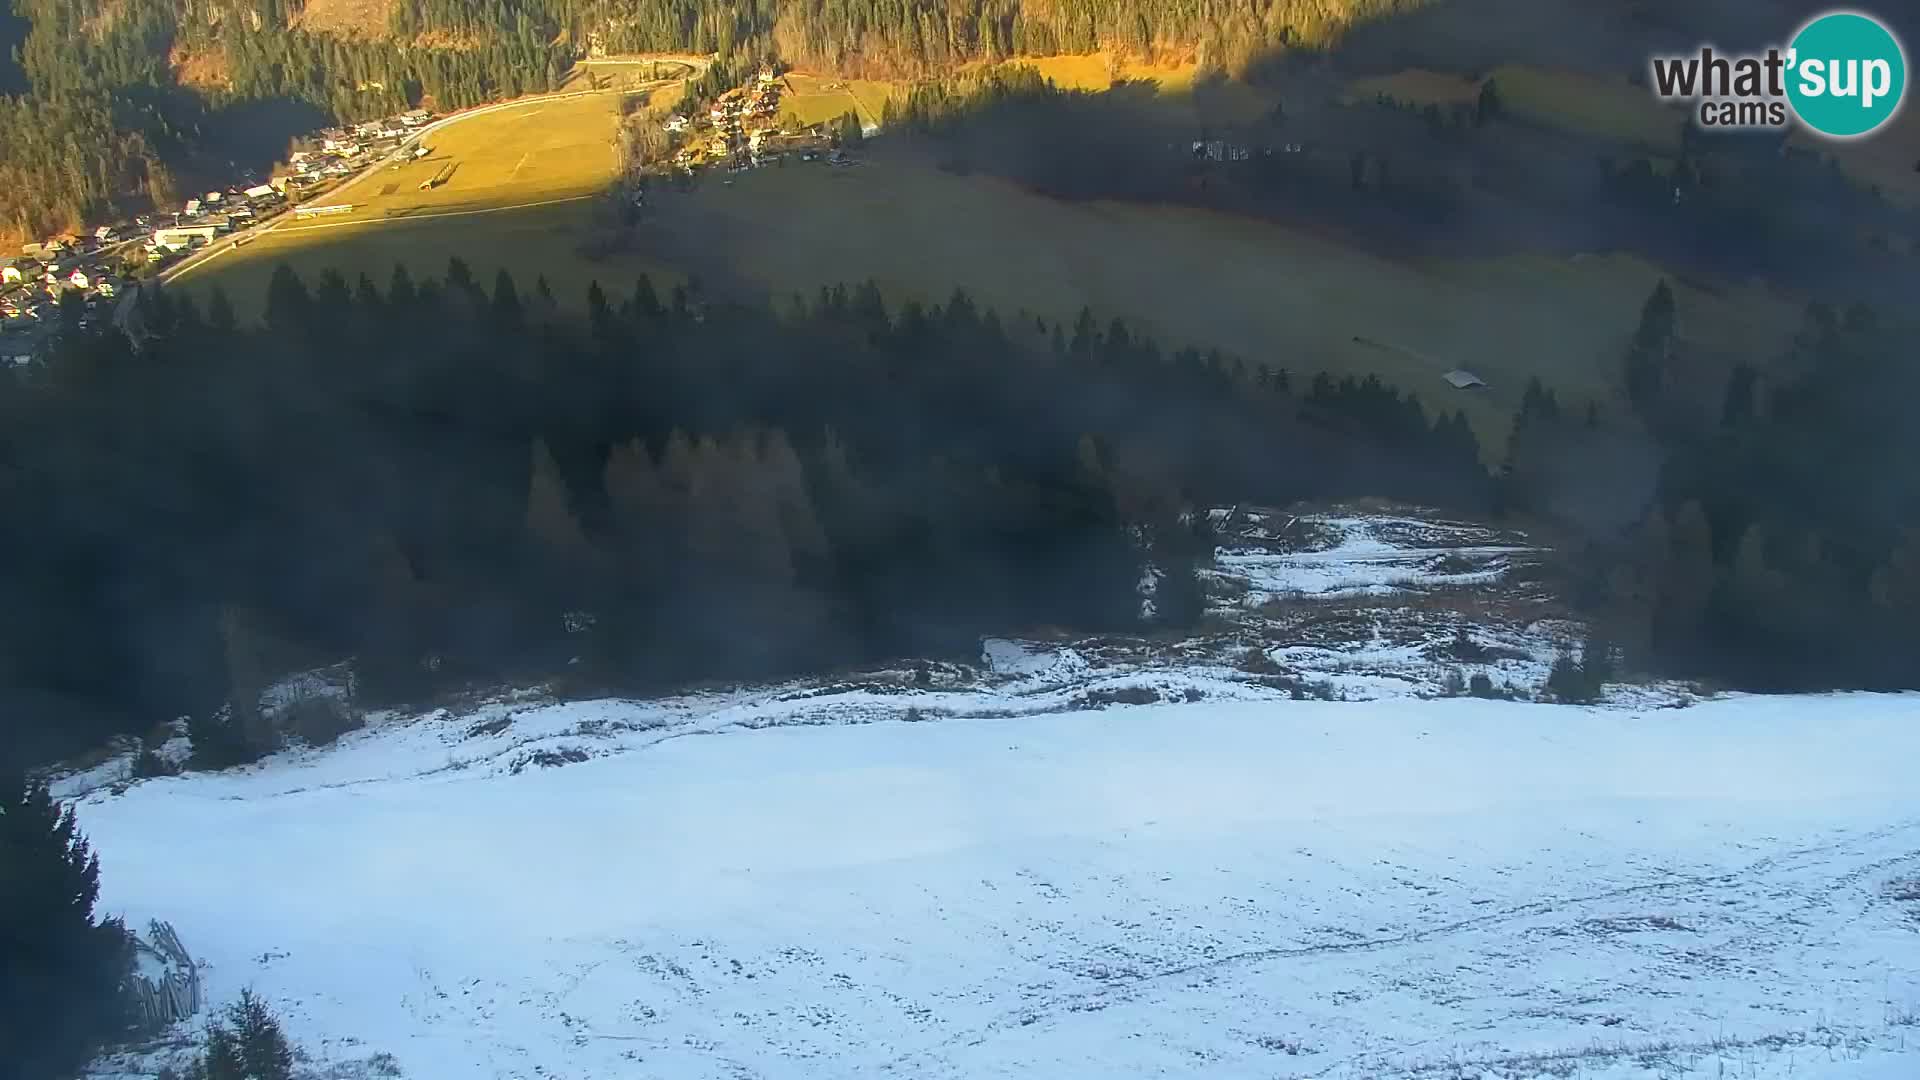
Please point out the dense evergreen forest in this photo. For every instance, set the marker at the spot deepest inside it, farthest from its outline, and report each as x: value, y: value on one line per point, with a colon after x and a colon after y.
x: 914, y: 36
x: 99, y: 115
x: 431, y: 475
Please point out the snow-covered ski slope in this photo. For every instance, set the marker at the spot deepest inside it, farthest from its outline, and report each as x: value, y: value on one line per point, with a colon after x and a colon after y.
x: 807, y: 886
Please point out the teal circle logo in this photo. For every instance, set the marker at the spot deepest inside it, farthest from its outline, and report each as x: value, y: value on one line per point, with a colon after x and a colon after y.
x: 1847, y: 74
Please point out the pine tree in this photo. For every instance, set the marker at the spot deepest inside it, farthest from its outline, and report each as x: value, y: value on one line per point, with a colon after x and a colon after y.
x: 400, y: 290
x: 264, y: 1050
x: 506, y: 307
x: 550, y: 518
x: 1489, y: 106
x: 1686, y: 581
x: 1652, y: 349
x: 63, y: 974
x: 1599, y: 660
x: 220, y: 317
x: 289, y: 307
x: 245, y: 1043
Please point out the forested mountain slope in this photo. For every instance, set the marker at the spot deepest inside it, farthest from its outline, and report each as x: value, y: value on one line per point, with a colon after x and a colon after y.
x: 109, y: 98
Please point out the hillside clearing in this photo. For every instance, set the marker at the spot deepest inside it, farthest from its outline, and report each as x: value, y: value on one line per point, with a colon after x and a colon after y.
x: 1097, y: 71
x: 346, y: 18
x: 816, y: 99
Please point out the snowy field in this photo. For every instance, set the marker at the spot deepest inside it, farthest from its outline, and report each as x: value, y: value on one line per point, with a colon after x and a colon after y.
x: 811, y: 884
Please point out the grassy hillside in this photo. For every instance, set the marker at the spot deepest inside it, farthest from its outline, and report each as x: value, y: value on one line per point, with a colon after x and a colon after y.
x: 519, y: 184
x: 1268, y: 293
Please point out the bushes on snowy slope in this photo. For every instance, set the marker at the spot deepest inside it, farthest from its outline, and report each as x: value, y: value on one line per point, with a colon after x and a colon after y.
x: 220, y: 741
x: 1582, y: 680
x: 245, y: 1043
x: 318, y: 721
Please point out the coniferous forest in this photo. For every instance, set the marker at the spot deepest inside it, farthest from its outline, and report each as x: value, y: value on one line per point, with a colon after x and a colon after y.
x: 452, y: 483
x: 448, y: 481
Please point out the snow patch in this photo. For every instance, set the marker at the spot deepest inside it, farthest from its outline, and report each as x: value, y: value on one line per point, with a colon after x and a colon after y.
x: 1345, y: 556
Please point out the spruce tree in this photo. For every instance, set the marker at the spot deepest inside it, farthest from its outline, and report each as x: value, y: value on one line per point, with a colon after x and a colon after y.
x: 1651, y: 349
x: 63, y: 973
x: 245, y: 1042
x: 1489, y: 106
x: 220, y: 317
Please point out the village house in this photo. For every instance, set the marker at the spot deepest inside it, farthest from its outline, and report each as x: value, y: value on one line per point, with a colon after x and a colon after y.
x: 13, y: 273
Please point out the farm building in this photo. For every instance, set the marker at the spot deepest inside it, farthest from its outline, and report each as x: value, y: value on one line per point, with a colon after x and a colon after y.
x: 1462, y: 379
x: 184, y: 236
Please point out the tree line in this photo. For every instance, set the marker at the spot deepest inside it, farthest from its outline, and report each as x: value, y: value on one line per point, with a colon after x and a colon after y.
x: 451, y: 481
x: 1779, y: 547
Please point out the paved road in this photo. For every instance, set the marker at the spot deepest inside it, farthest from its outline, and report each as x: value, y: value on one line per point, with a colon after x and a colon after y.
x: 220, y: 247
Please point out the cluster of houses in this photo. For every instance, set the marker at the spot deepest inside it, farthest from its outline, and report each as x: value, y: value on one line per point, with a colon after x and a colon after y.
x: 207, y: 217
x: 341, y: 151
x: 741, y: 131
x: 97, y: 267
x: 33, y: 286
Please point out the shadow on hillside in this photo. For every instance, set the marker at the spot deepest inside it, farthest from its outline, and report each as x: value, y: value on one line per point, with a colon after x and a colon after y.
x: 251, y: 136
